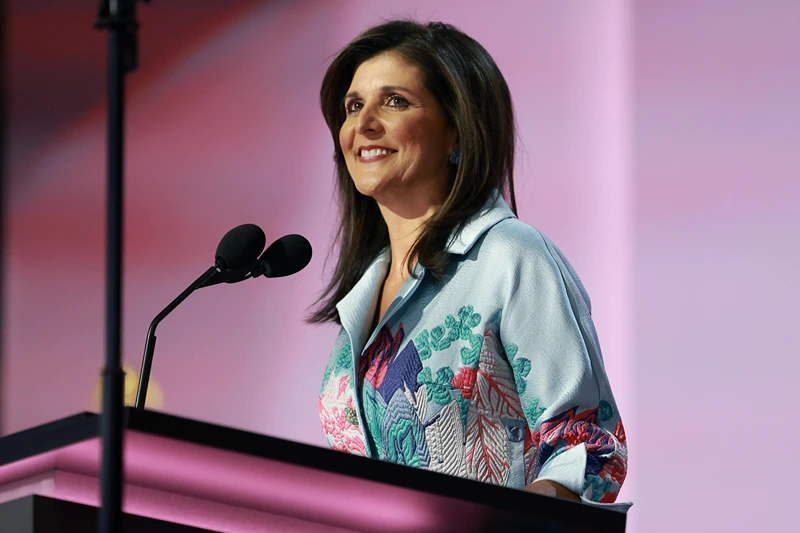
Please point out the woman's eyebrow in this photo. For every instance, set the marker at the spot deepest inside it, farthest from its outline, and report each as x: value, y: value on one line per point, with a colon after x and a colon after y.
x: 384, y: 89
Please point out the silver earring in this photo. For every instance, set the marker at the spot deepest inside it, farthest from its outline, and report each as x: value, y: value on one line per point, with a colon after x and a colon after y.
x: 454, y: 155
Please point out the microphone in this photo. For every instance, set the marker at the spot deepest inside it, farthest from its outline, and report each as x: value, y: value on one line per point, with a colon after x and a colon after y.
x: 238, y: 249
x: 288, y: 255
x: 239, y: 246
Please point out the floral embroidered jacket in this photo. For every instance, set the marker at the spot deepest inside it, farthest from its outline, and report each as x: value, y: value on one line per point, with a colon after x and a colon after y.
x: 493, y: 373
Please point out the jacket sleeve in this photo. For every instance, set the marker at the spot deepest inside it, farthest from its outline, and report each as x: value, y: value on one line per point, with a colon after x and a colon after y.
x: 576, y: 434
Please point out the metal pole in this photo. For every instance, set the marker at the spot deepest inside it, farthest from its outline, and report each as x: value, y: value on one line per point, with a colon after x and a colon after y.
x: 118, y: 16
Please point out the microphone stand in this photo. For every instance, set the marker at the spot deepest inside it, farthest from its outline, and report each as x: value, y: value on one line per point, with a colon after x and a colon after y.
x: 150, y: 343
x: 119, y: 17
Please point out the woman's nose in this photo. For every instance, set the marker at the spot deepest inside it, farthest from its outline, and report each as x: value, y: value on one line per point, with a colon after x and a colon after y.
x: 368, y: 121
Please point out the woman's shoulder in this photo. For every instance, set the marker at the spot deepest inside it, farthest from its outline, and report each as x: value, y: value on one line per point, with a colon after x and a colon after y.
x: 514, y: 239
x: 518, y: 249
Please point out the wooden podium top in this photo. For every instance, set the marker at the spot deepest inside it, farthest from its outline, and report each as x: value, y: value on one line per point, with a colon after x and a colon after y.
x: 224, y: 479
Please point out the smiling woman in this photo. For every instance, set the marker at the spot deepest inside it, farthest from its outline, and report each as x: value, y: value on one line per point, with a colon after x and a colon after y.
x: 466, y: 345
x: 395, y: 139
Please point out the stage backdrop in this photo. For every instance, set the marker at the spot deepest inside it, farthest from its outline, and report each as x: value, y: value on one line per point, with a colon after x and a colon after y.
x: 657, y: 149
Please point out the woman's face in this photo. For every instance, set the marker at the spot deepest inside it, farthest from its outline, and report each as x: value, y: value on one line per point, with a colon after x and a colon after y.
x: 395, y: 139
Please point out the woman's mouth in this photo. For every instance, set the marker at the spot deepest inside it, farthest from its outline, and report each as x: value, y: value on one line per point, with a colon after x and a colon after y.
x: 368, y: 155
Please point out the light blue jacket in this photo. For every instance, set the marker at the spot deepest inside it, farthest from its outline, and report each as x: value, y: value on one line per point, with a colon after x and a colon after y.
x: 493, y: 373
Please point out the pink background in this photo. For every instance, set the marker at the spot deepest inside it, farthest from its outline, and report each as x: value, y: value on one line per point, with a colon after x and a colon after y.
x: 659, y: 150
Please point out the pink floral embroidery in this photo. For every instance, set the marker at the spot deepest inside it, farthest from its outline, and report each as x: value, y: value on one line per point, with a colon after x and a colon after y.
x: 338, y: 422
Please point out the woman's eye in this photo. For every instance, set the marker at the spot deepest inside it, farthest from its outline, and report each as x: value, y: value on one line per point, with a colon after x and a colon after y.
x: 352, y: 106
x: 397, y: 101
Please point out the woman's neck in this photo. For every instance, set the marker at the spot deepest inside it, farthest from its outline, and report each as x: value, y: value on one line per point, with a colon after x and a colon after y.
x: 404, y: 228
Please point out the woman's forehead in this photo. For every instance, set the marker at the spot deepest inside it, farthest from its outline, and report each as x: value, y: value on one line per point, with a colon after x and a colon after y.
x: 386, y: 70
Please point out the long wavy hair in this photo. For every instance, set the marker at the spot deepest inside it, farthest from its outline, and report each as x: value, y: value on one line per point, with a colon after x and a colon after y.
x: 473, y: 96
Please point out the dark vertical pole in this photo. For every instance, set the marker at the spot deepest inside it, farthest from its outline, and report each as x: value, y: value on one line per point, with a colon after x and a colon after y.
x: 118, y: 16
x: 3, y: 188
x: 113, y: 377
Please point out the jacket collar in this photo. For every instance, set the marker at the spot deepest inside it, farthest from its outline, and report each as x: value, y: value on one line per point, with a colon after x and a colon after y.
x: 358, y: 306
x: 493, y: 211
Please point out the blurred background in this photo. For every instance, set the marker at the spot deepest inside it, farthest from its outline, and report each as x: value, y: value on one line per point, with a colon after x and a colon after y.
x: 659, y: 149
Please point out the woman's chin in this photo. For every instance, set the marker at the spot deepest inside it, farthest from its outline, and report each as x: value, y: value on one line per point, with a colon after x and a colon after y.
x: 369, y: 187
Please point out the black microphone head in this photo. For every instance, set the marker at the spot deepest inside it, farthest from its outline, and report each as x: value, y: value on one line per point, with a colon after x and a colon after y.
x: 286, y: 256
x: 239, y: 248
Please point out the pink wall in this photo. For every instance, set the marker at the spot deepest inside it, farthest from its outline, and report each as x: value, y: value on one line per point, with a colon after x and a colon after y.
x: 717, y: 131
x: 658, y: 152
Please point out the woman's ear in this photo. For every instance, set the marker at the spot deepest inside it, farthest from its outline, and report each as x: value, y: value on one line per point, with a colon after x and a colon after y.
x: 454, y: 141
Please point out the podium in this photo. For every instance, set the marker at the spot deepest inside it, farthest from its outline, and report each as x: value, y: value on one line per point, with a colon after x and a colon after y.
x: 199, y: 476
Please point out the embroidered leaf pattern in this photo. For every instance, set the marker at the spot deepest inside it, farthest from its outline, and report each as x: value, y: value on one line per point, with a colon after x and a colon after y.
x: 533, y: 412
x: 495, y: 391
x: 493, y: 398
x: 439, y: 389
x: 606, y: 412
x: 422, y: 342
x: 418, y: 400
x: 402, y: 444
x: 374, y: 412
x: 463, y: 406
x: 522, y: 367
x: 529, y: 456
x: 403, y: 434
x: 443, y: 336
x: 469, y: 356
x: 344, y: 360
x: 487, y: 450
x: 468, y: 317
x: 511, y: 351
x: 445, y: 437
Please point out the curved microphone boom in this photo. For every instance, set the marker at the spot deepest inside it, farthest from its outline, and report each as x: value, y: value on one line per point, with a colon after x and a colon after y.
x: 237, y: 250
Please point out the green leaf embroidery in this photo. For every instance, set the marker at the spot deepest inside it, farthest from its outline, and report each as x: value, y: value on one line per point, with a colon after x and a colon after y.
x: 422, y: 344
x: 522, y: 385
x: 463, y: 405
x: 443, y: 336
x: 438, y: 390
x: 344, y: 360
x: 521, y: 368
x: 606, y: 412
x: 511, y: 351
x: 471, y: 355
x: 402, y: 445
x: 533, y: 412
x: 436, y: 335
x: 374, y: 412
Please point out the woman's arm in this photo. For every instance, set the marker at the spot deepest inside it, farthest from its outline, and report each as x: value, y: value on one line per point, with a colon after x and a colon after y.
x: 576, y: 445
x: 553, y: 489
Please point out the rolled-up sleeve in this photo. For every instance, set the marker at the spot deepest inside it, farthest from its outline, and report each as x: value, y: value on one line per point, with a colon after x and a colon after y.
x: 576, y: 433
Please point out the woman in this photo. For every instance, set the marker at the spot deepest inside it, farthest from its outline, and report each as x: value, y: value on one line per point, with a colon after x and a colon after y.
x: 466, y: 343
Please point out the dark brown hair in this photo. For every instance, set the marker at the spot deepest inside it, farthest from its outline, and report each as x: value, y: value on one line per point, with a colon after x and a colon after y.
x: 473, y: 96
